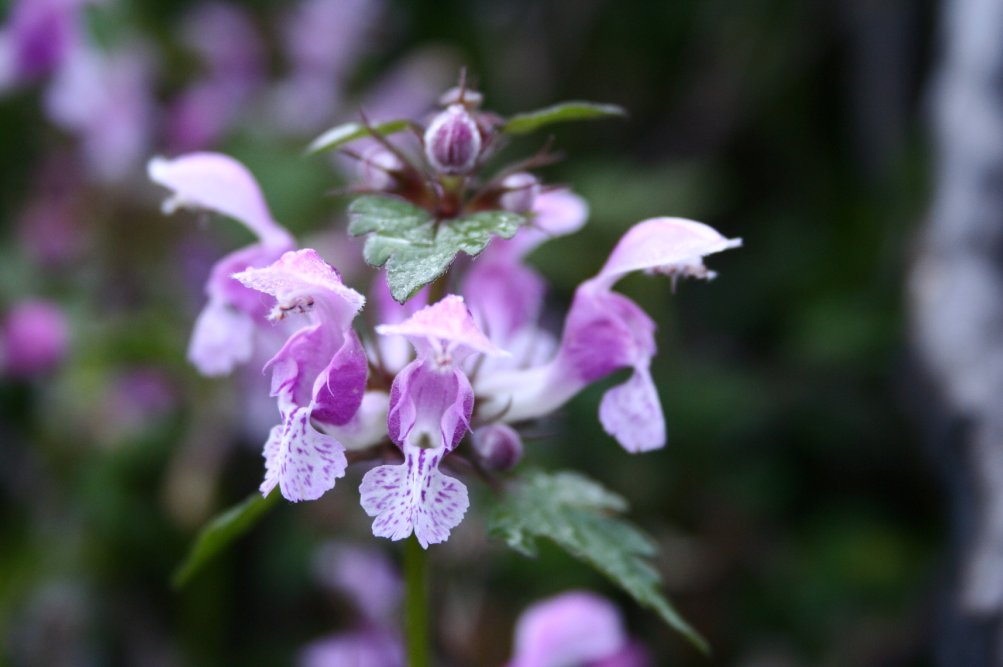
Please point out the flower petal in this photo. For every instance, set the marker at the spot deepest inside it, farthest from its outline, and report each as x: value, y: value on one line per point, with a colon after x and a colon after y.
x: 301, y: 461
x: 414, y: 497
x: 298, y: 279
x: 223, y: 337
x: 445, y: 324
x: 667, y: 244
x: 570, y: 629
x: 632, y: 413
x: 428, y: 407
x: 218, y: 183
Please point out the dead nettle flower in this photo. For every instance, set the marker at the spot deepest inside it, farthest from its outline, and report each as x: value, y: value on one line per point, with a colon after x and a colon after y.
x: 430, y: 406
x: 225, y: 330
x: 428, y: 367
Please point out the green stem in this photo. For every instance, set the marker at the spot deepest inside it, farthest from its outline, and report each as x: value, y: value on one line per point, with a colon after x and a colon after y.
x: 416, y: 603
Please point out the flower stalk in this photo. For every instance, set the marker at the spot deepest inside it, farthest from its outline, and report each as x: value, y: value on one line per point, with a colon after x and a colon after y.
x: 416, y: 603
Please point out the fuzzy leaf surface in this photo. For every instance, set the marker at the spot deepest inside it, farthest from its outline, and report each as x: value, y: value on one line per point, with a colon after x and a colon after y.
x: 339, y: 135
x: 221, y: 531
x: 579, y: 515
x: 414, y: 247
x: 524, y: 123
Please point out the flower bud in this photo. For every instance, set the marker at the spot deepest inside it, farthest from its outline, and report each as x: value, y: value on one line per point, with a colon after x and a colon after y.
x: 520, y: 192
x: 377, y: 166
x: 498, y: 445
x: 453, y: 141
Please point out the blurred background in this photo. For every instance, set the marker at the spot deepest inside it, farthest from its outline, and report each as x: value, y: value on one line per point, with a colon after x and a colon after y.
x: 822, y: 489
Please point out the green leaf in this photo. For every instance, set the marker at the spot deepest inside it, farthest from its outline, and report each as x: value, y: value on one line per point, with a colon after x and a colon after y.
x: 340, y: 135
x: 415, y: 248
x: 578, y: 515
x: 524, y: 123
x: 220, y: 532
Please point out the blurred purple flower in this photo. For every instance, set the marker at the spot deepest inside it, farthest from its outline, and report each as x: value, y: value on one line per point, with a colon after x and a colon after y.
x: 365, y: 575
x: 368, y: 647
x: 105, y: 99
x: 225, y: 329
x: 36, y: 338
x: 229, y: 46
x: 323, y: 39
x: 37, y: 38
x: 574, y: 629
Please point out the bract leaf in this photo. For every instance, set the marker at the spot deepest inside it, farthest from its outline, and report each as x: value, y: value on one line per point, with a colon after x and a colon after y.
x: 340, y: 135
x: 220, y: 532
x: 524, y: 123
x: 414, y: 247
x: 578, y: 515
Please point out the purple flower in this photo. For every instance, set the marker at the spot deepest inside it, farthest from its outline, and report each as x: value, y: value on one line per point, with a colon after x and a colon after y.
x: 224, y: 330
x: 35, y: 338
x: 105, y: 99
x: 226, y: 40
x: 571, y: 630
x: 366, y: 647
x: 37, y: 38
x: 605, y: 331
x: 506, y: 296
x: 430, y: 405
x: 319, y: 374
x: 366, y: 576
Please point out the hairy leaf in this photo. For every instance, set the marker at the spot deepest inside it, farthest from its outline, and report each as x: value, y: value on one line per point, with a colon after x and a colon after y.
x: 578, y: 515
x: 415, y: 248
x: 220, y: 532
x: 340, y: 135
x: 524, y: 123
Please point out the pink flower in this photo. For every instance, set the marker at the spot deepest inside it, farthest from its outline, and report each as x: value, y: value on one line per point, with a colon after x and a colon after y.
x: 224, y: 331
x: 574, y: 629
x: 604, y: 332
x: 319, y: 374
x: 430, y: 405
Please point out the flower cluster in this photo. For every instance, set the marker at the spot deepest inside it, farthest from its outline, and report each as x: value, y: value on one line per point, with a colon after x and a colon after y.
x: 479, y: 361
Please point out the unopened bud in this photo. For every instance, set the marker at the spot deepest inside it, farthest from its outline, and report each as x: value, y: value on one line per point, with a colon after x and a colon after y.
x: 453, y: 141
x: 520, y: 192
x: 377, y: 167
x: 498, y: 445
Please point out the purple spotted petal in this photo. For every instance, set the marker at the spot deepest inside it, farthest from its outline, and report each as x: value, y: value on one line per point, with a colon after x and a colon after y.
x: 218, y: 183
x: 429, y: 407
x: 632, y: 413
x: 414, y: 497
x: 574, y: 628
x: 669, y: 245
x: 301, y: 461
